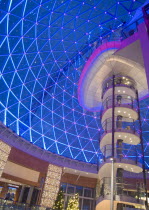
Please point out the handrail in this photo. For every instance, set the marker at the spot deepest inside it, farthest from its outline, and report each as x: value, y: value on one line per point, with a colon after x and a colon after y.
x: 120, y: 153
x: 126, y: 124
x: 121, y: 188
x: 120, y: 100
x: 118, y: 81
x: 8, y: 204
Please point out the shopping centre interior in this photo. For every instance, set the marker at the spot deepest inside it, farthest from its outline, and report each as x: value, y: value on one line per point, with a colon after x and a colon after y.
x: 74, y: 111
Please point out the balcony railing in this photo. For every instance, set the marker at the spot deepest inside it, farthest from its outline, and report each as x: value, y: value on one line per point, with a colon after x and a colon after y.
x: 121, y: 124
x: 8, y: 205
x: 118, y: 81
x: 122, y: 188
x: 120, y: 100
x: 121, y: 152
x: 130, y: 29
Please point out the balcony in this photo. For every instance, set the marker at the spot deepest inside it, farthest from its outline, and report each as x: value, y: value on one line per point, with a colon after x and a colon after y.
x: 123, y: 191
x: 121, y: 100
x: 120, y: 81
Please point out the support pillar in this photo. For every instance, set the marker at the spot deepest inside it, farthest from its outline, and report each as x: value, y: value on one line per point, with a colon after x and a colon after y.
x: 21, y: 194
x: 112, y: 185
x: 29, y: 197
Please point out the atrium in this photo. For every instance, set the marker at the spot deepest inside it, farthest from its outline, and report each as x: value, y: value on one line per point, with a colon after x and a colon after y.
x: 74, y: 104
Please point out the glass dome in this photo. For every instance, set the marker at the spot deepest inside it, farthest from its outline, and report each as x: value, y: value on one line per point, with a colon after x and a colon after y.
x: 44, y: 45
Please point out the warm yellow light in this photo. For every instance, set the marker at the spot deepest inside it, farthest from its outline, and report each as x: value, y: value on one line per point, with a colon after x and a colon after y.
x: 51, y: 186
x: 4, y: 153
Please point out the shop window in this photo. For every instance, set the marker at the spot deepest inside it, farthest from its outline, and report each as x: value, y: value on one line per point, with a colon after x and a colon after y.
x: 79, y: 190
x: 63, y: 187
x: 86, y: 204
x: 87, y: 193
x: 70, y: 189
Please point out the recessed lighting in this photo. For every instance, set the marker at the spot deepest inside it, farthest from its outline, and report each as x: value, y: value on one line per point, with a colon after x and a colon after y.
x: 125, y: 136
x: 124, y: 91
x: 119, y: 111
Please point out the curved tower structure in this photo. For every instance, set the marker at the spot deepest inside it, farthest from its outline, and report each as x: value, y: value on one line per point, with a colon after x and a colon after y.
x: 121, y: 134
x: 111, y: 83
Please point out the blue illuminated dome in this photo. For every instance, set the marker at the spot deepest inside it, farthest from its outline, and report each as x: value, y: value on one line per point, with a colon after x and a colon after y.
x: 44, y: 45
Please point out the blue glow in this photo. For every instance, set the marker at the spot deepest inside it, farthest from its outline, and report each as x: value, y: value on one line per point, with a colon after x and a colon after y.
x: 44, y: 45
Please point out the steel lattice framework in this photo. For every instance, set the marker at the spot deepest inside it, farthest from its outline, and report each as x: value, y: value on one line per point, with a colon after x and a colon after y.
x: 44, y: 45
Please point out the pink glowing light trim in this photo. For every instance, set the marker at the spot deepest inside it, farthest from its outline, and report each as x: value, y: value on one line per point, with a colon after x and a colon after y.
x: 105, y: 47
